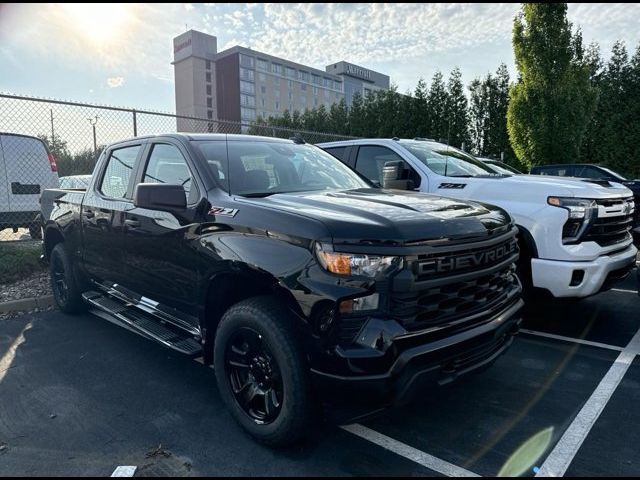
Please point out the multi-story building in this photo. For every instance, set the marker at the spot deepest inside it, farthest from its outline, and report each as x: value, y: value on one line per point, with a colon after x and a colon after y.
x: 241, y: 84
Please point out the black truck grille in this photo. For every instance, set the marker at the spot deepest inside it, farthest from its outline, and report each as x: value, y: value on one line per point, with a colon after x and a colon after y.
x: 453, y: 301
x: 614, y: 225
x: 457, y: 285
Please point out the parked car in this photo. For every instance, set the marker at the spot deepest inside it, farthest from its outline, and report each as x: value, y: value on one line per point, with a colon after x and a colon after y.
x: 286, y: 270
x: 75, y: 182
x: 500, y: 167
x: 574, y: 234
x: 26, y: 169
x: 595, y: 172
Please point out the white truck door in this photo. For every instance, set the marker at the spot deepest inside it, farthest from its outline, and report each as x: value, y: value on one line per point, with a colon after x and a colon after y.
x: 28, y: 172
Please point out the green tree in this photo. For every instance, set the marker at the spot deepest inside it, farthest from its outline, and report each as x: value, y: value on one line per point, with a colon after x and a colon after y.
x: 457, y: 111
x: 553, y: 100
x: 339, y: 118
x: 357, y: 125
x: 420, y: 109
x: 437, y: 108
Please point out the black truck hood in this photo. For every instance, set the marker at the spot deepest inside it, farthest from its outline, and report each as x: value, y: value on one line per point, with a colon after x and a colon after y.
x: 374, y: 216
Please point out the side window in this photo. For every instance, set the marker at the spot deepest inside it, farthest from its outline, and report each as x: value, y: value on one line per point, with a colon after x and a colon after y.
x: 338, y: 152
x: 167, y: 165
x: 371, y: 160
x: 115, y: 180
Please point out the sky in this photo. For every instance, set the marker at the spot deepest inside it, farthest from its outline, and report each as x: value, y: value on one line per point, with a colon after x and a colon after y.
x: 120, y: 54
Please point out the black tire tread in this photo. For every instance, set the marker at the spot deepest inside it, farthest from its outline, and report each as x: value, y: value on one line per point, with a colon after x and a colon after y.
x: 279, y: 321
x: 74, y: 303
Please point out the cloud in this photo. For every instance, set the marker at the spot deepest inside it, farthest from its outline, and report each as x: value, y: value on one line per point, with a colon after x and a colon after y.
x: 115, y: 82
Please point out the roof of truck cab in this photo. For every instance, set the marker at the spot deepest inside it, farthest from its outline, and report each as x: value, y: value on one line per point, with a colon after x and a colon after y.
x: 207, y: 136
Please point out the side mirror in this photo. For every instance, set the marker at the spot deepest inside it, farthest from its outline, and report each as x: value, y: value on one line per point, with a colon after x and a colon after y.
x: 391, y: 176
x: 160, y: 196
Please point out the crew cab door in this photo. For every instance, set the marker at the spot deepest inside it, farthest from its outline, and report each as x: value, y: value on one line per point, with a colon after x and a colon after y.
x: 102, y: 214
x: 159, y: 251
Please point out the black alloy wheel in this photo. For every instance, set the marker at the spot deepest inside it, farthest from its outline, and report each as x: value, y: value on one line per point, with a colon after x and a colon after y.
x: 254, y: 376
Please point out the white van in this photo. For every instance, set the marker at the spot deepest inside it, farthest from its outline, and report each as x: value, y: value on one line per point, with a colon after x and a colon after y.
x: 26, y: 169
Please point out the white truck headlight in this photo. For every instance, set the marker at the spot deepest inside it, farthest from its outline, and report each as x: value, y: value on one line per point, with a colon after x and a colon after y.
x: 581, y: 211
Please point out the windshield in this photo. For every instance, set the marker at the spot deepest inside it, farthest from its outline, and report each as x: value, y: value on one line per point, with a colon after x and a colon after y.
x: 262, y: 168
x: 447, y: 161
x: 613, y: 174
x: 501, y: 167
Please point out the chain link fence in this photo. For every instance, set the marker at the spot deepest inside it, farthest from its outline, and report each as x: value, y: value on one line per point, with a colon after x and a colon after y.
x: 75, y: 134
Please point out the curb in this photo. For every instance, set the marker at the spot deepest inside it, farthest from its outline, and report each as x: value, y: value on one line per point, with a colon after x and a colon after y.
x: 27, y: 304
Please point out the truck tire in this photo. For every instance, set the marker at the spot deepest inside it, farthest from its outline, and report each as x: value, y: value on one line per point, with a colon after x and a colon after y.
x: 262, y: 373
x: 35, y: 230
x: 66, y: 292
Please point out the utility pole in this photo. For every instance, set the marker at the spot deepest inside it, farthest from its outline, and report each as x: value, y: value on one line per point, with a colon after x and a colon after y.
x: 93, y: 122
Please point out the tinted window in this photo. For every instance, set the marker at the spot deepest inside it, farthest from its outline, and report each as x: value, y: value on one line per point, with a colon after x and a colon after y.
x: 118, y: 172
x: 264, y: 168
x: 167, y: 165
x: 337, y: 152
x: 591, y: 172
x: 215, y: 154
x: 371, y: 160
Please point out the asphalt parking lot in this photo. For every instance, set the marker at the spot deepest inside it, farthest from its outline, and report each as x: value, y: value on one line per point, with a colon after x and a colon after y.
x: 80, y: 396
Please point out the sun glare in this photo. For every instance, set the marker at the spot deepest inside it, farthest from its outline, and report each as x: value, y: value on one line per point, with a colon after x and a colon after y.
x: 99, y: 22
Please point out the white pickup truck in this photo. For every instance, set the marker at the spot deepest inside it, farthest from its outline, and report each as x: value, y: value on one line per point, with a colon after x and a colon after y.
x: 575, y: 236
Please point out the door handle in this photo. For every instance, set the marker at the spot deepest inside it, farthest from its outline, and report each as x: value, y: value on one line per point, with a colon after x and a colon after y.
x: 132, y: 223
x: 88, y: 214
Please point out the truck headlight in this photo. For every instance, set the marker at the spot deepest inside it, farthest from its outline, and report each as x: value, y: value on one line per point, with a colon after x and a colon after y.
x: 354, y: 263
x: 581, y: 211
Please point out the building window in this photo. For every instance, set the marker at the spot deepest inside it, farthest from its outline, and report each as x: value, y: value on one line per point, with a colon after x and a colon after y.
x: 247, y: 87
x: 209, y: 114
x: 276, y: 93
x: 276, y: 68
x: 290, y: 96
x: 276, y: 81
x: 208, y: 77
x: 327, y: 82
x: 209, y: 102
x: 316, y: 79
x: 246, y: 60
x: 247, y: 100
x: 290, y: 72
x: 262, y: 64
x: 262, y: 101
x: 277, y: 106
x: 263, y: 89
x: 246, y: 74
x: 262, y: 77
x: 304, y: 76
x: 303, y: 87
x: 315, y: 101
x: 208, y: 64
x: 315, y: 90
x: 337, y: 86
x: 208, y: 89
x: 247, y: 114
x: 290, y: 84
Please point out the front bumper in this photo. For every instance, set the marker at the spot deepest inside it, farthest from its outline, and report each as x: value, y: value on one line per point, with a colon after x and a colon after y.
x: 423, y: 362
x: 599, y: 274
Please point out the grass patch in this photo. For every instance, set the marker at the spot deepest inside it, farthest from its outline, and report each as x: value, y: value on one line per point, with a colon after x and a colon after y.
x: 18, y: 261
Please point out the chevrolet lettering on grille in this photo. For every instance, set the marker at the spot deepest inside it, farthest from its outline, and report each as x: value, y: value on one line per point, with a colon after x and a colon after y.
x: 466, y: 261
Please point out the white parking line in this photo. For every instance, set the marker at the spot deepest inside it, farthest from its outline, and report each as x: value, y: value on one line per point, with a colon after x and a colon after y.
x: 635, y: 292
x: 410, y: 453
x: 566, y: 449
x: 124, y: 471
x: 571, y: 339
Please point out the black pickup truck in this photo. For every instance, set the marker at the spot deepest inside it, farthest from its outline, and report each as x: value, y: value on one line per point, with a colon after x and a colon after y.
x: 283, y: 268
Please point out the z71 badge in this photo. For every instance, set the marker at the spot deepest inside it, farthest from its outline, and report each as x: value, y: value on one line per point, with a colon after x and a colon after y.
x: 223, y: 212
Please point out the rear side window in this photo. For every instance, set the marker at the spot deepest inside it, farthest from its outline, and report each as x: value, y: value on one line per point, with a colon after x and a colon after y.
x: 338, y: 152
x: 167, y: 165
x: 115, y: 180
